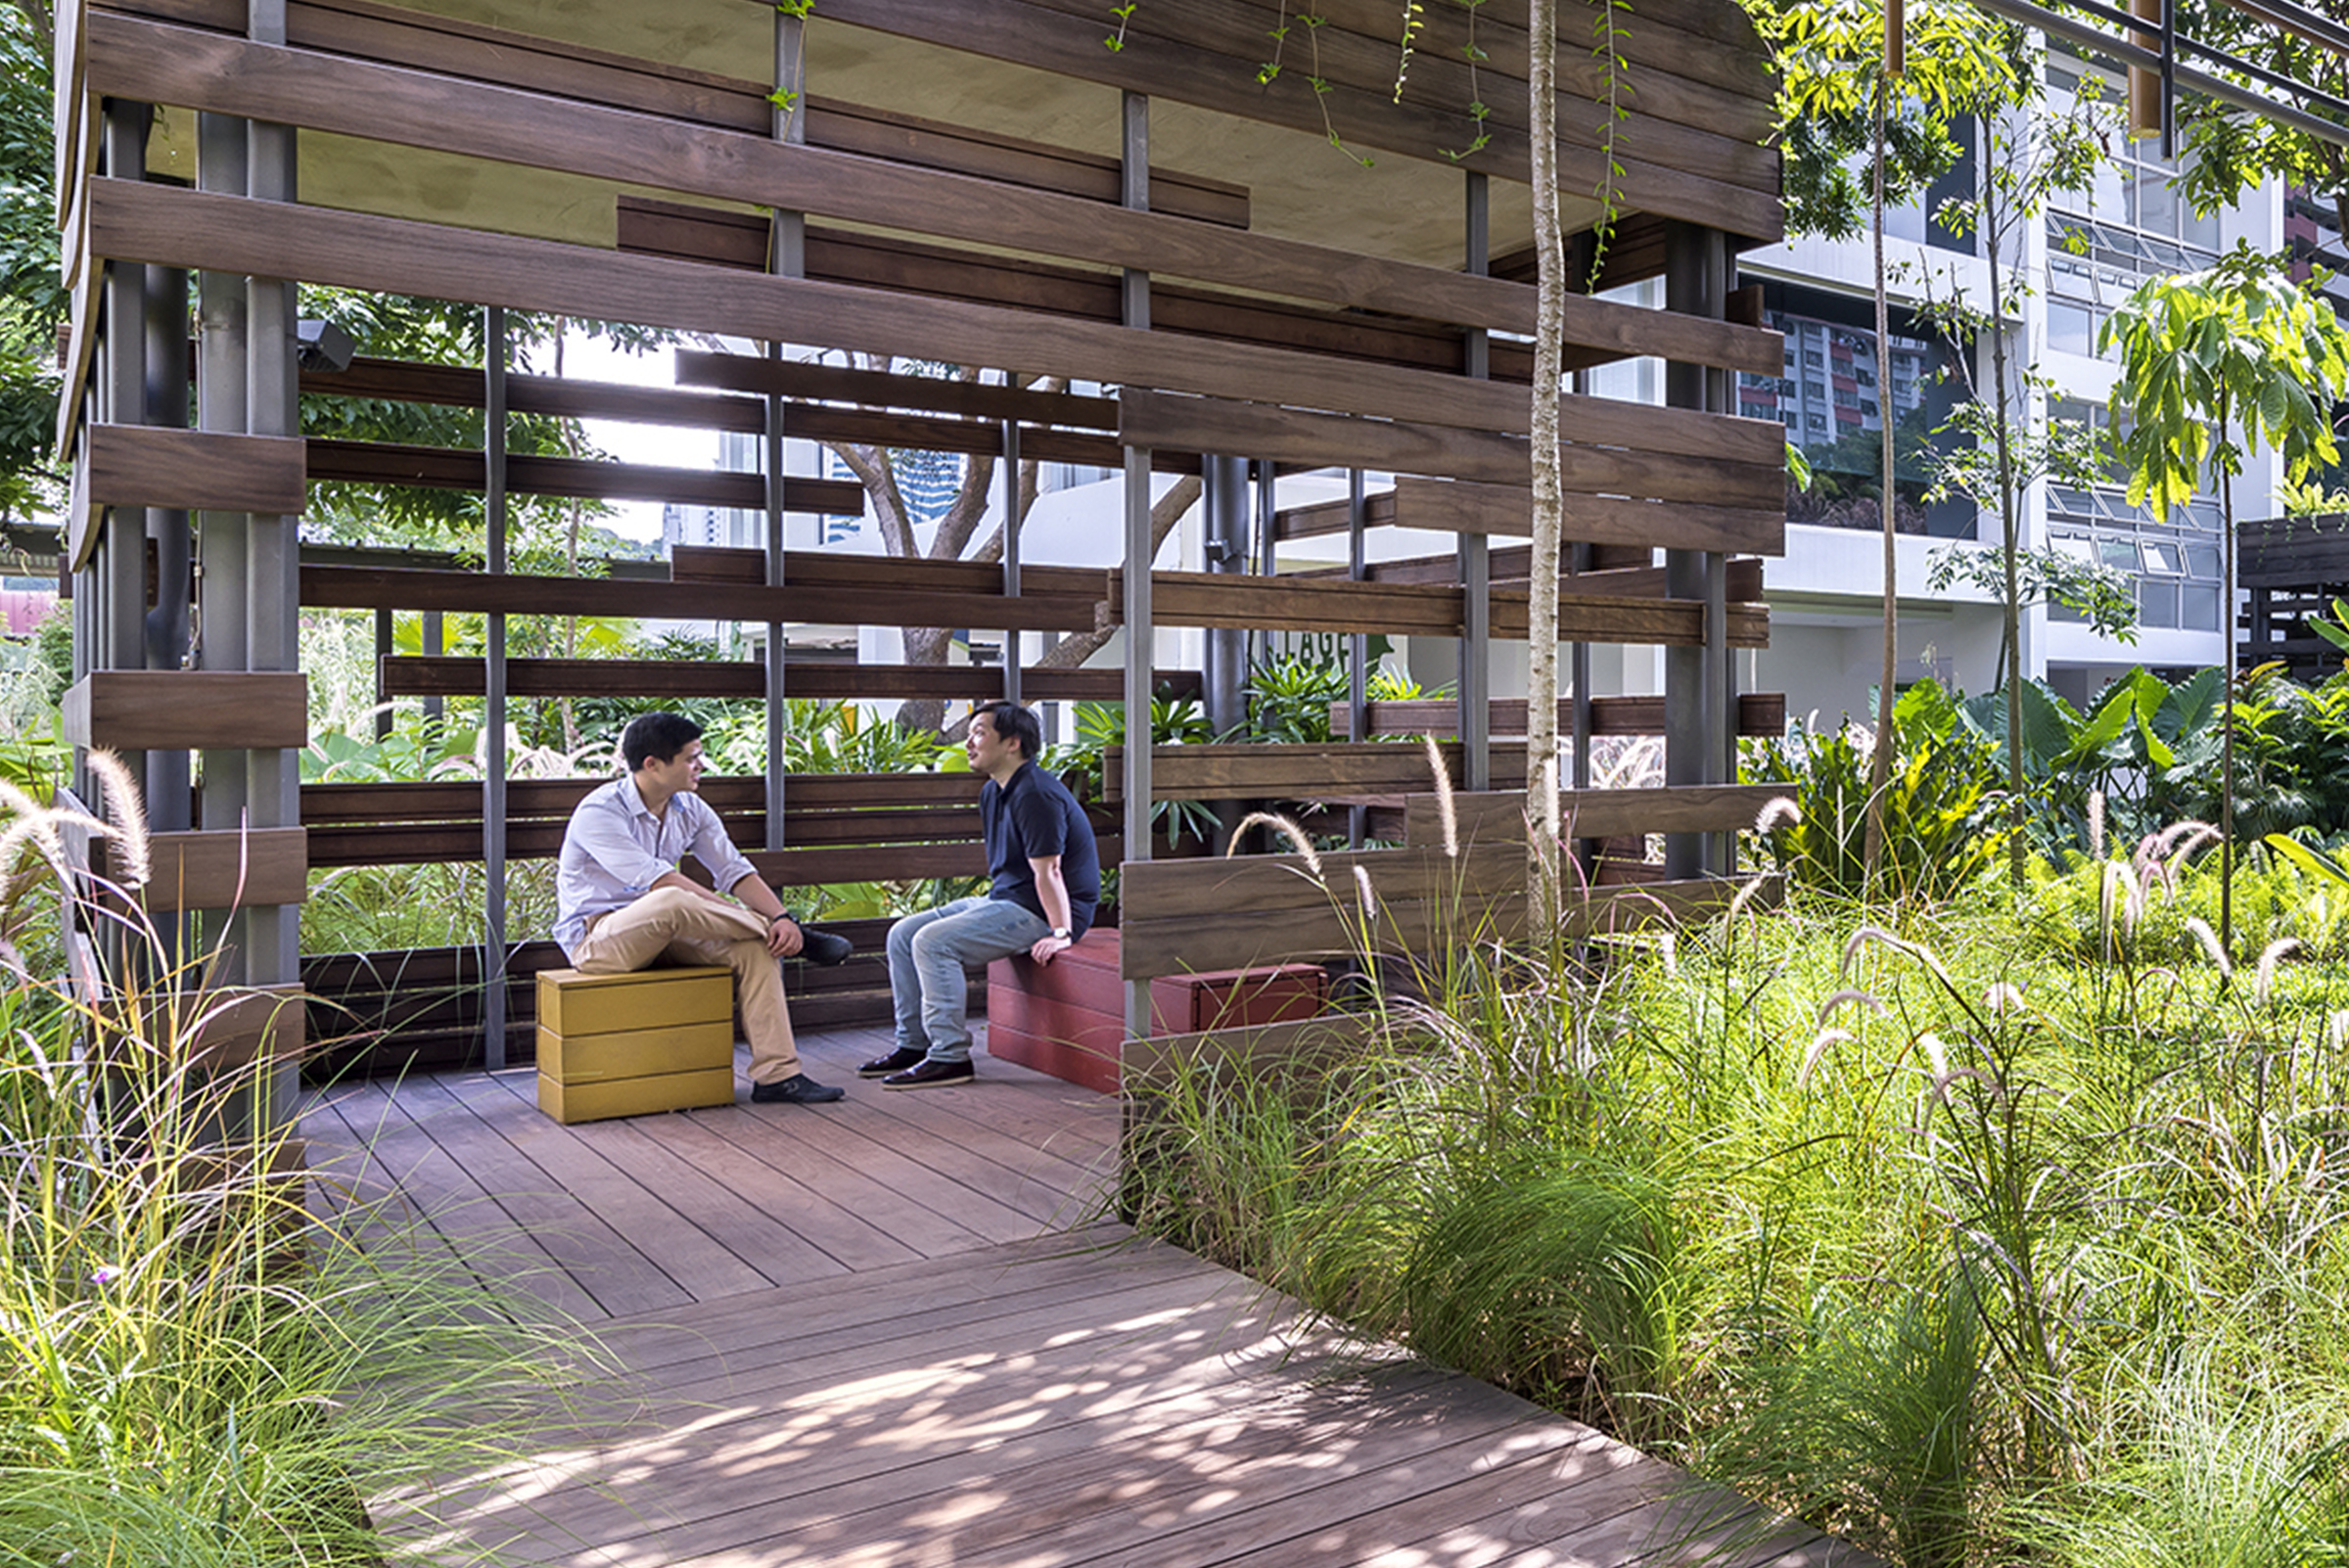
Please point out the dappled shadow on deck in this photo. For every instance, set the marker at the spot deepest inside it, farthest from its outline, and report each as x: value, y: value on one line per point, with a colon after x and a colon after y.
x: 895, y: 1332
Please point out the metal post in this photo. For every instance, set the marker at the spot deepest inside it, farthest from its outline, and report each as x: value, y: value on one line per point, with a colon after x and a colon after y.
x: 435, y: 643
x: 1357, y: 671
x: 1011, y: 550
x: 1134, y: 181
x: 1225, y: 493
x: 164, y: 625
x: 221, y: 404
x: 1475, y: 551
x: 787, y: 258
x: 493, y: 701
x: 1696, y: 283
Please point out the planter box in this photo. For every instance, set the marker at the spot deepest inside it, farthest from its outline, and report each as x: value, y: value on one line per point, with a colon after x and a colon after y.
x: 1067, y: 1017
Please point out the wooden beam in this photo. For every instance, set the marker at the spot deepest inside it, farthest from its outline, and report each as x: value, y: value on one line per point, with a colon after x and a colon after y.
x: 453, y: 469
x: 229, y: 1028
x: 877, y: 389
x: 1246, y: 935
x: 1498, y: 817
x: 185, y: 470
x: 224, y: 869
x: 188, y: 710
x: 1758, y: 713
x: 173, y: 227
x: 373, y: 588
x: 1299, y: 771
x: 1509, y: 509
x: 1740, y: 465
x: 407, y: 676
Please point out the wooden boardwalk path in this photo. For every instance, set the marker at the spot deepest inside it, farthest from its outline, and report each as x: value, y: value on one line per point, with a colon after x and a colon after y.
x: 896, y: 1331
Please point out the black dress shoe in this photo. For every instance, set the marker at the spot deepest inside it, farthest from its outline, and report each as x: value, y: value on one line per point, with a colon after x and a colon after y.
x: 824, y: 947
x: 796, y: 1089
x: 895, y: 1061
x: 928, y: 1073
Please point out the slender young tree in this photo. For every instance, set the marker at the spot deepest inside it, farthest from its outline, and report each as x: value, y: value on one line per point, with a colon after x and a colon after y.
x: 1544, y: 830
x: 2236, y: 349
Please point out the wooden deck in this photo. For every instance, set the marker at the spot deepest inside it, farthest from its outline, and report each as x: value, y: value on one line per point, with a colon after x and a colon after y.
x: 896, y: 1331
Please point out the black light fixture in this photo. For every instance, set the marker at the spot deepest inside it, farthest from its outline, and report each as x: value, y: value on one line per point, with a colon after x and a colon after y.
x: 321, y: 345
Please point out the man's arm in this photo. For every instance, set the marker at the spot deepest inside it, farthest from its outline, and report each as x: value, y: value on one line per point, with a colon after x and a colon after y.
x: 731, y: 870
x: 1052, y: 892
x: 783, y: 938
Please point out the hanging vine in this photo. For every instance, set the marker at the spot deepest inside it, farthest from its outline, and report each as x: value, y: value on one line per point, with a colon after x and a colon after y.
x: 1607, y: 28
x: 787, y: 99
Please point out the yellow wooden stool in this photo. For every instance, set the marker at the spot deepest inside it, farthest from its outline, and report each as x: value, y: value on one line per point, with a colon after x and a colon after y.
x: 657, y: 1039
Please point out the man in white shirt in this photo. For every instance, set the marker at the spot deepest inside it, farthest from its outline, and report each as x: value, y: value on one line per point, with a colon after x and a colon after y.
x: 621, y: 905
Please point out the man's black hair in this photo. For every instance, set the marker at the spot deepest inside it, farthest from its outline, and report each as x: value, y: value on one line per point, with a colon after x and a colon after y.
x: 658, y: 737
x: 1016, y: 723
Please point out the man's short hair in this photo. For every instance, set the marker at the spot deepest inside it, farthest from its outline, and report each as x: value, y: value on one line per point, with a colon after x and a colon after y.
x: 1016, y: 723
x: 658, y: 737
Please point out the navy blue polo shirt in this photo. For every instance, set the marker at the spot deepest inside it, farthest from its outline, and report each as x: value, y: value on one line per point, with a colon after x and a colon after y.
x: 1032, y: 816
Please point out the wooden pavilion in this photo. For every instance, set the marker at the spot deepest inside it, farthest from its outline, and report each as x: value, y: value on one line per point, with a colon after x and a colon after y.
x: 1160, y: 215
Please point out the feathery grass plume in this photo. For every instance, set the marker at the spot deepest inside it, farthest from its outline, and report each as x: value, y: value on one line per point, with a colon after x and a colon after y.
x: 2118, y: 896
x: 1445, y: 812
x: 1937, y: 1055
x: 1776, y: 810
x: 2002, y: 997
x: 2095, y: 824
x: 1858, y: 939
x: 2274, y: 954
x: 1819, y: 1048
x: 1667, y: 949
x: 128, y: 813
x: 1866, y: 999
x: 2336, y: 1027
x: 1744, y: 897
x: 1362, y: 890
x: 1298, y: 840
x: 2178, y: 840
x: 2200, y: 930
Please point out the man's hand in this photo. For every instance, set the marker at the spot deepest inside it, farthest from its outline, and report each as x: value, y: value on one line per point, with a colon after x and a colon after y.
x: 1048, y: 947
x: 783, y: 936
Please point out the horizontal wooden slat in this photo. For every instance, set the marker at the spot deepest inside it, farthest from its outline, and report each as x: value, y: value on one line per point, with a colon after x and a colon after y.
x: 1758, y: 713
x: 1321, y: 604
x: 1302, y: 771
x: 1417, y: 928
x: 880, y: 389
x: 228, y: 869
x: 408, y: 675
x: 188, y: 710
x: 373, y: 588
x: 1739, y: 471
x: 1510, y: 567
x: 168, y: 226
x: 1471, y: 508
x: 1500, y: 816
x: 183, y: 470
x: 450, y: 468
x: 230, y: 1027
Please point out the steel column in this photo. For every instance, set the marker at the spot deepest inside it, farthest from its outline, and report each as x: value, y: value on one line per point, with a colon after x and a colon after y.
x: 1133, y: 180
x: 1475, y: 551
x: 1695, y: 679
x: 222, y: 349
x: 1011, y: 549
x: 493, y: 698
x: 787, y: 258
x: 1358, y: 672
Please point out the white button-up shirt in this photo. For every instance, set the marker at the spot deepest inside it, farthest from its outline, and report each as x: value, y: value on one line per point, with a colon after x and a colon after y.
x: 615, y: 850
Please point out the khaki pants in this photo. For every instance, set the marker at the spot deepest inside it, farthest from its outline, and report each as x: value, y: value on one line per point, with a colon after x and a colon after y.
x: 669, y: 925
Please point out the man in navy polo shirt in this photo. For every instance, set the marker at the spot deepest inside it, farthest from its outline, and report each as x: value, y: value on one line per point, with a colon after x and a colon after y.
x: 1046, y: 879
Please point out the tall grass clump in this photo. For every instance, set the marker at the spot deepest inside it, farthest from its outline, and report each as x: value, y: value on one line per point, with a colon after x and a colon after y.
x: 1979, y: 1229
x: 215, y: 1356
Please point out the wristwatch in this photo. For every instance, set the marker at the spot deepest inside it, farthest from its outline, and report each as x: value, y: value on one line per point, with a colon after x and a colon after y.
x: 1062, y: 932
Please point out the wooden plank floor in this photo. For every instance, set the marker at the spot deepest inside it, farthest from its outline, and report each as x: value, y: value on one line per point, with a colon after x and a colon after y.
x: 897, y: 1331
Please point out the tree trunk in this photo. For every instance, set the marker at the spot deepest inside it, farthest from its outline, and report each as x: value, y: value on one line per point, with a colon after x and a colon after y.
x: 2010, y: 653
x: 1879, y: 766
x: 1543, y: 848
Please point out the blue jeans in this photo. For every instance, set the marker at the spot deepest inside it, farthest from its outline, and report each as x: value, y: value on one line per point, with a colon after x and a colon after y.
x: 927, y: 955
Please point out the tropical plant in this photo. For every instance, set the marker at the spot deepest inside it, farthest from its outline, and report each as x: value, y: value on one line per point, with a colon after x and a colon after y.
x: 1936, y: 807
x: 201, y: 1372
x: 2241, y: 349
